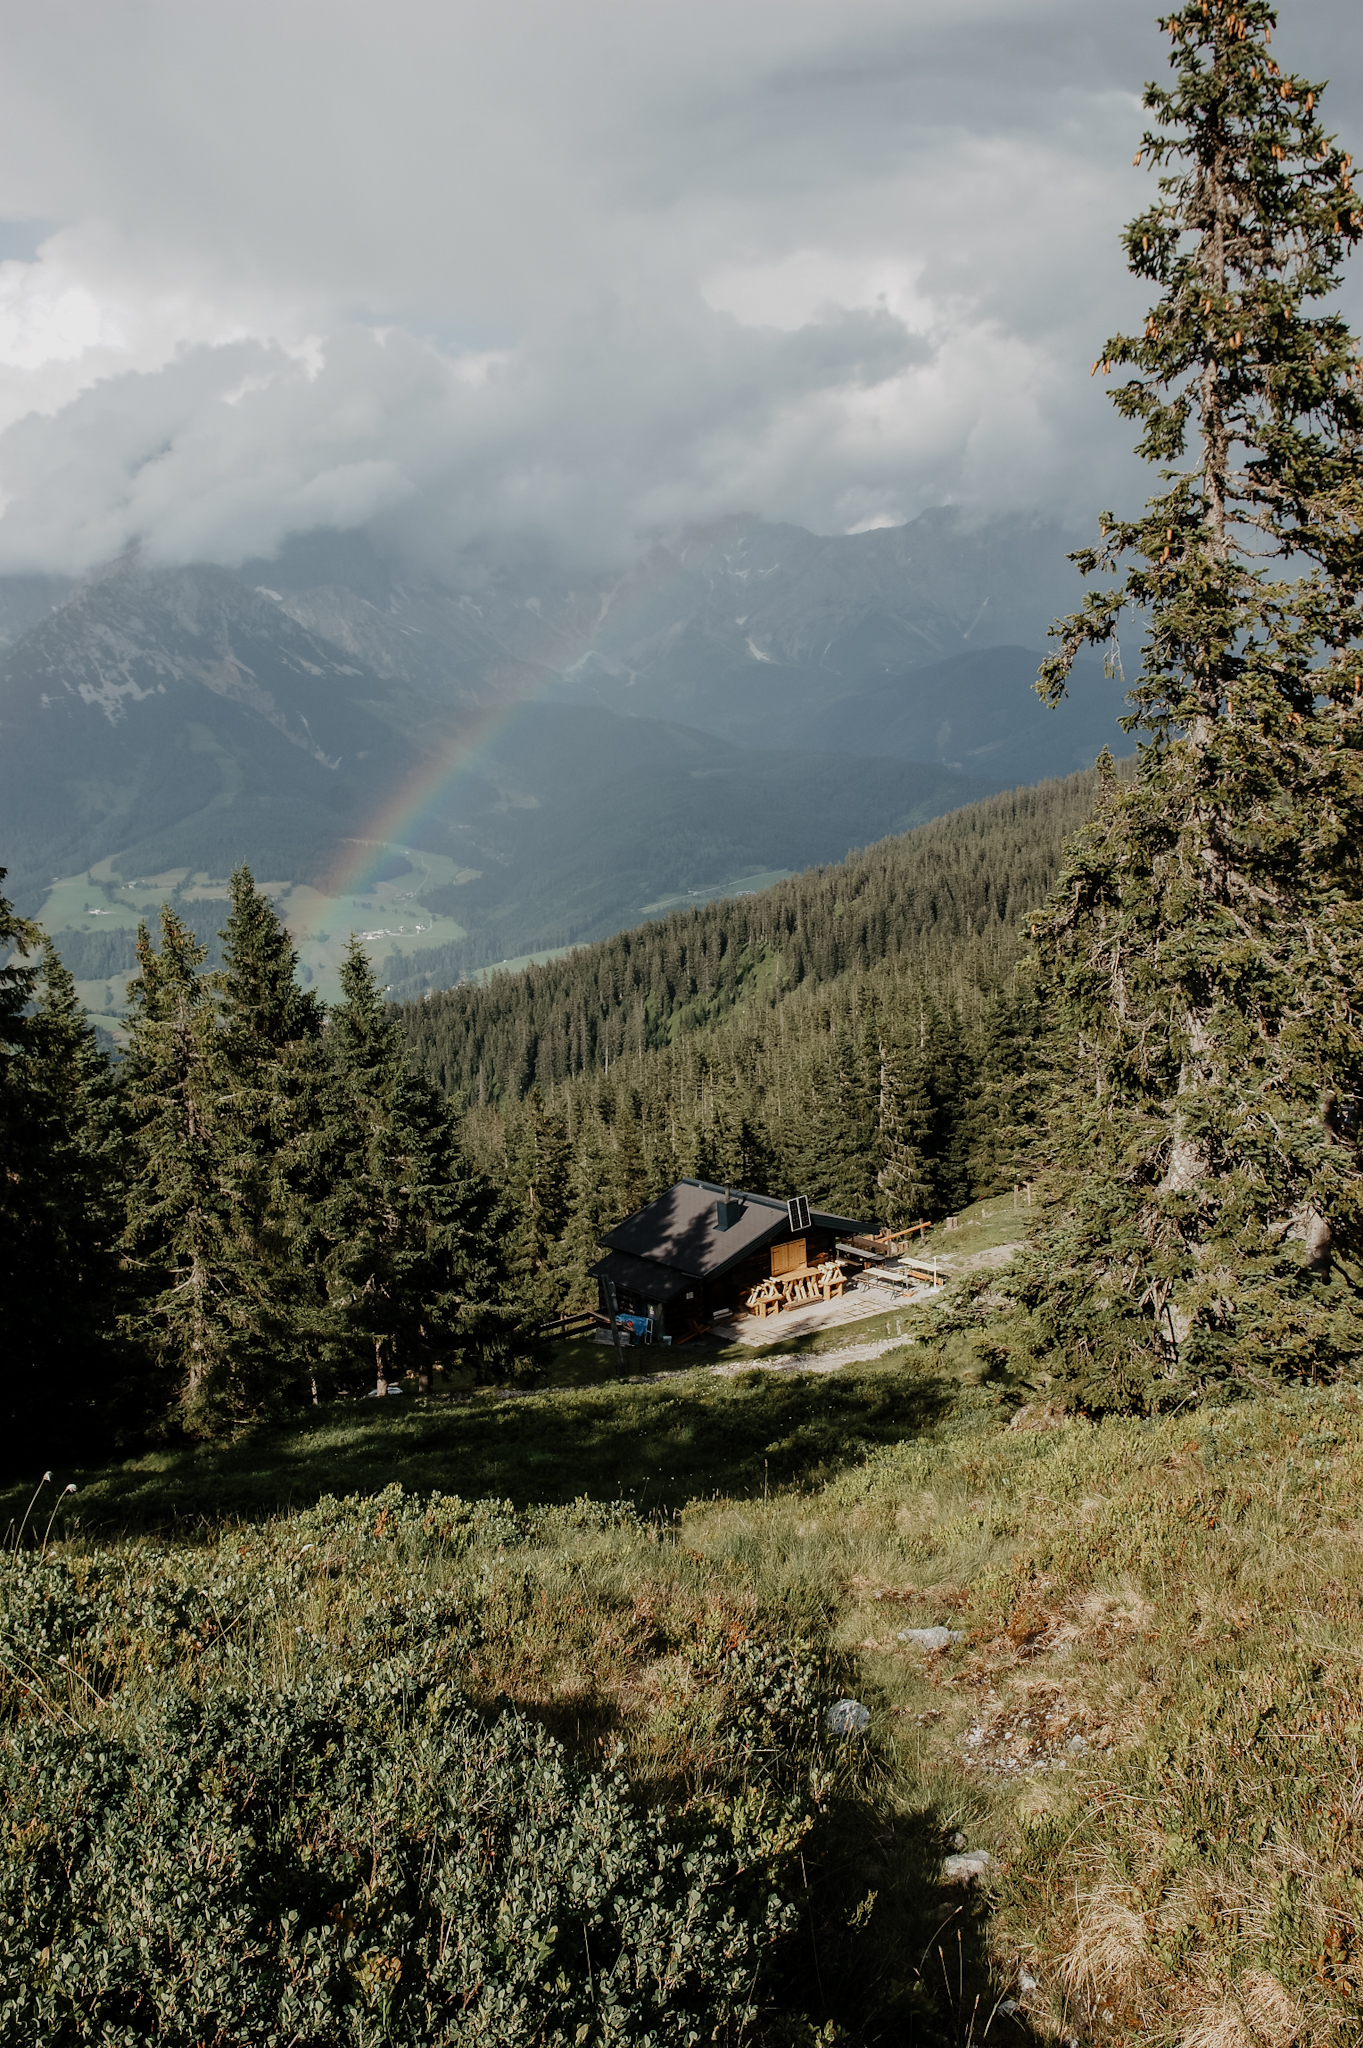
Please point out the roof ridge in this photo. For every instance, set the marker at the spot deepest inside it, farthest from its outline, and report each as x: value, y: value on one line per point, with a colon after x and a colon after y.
x: 712, y: 1187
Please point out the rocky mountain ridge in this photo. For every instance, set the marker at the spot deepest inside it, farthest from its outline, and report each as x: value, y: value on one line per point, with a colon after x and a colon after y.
x: 578, y: 747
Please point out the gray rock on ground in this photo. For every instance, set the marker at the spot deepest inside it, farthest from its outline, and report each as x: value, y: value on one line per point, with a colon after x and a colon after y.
x: 848, y: 1717
x: 931, y: 1638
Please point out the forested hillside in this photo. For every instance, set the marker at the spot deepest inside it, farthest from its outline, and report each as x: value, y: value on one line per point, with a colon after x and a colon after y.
x: 943, y: 903
x: 865, y: 1034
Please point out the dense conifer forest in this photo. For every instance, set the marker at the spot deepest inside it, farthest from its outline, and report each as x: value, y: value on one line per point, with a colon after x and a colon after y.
x: 944, y: 903
x: 865, y: 1034
x: 256, y: 1204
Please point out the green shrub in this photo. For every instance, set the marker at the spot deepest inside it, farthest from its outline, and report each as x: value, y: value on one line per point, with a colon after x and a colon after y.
x: 423, y: 1522
x: 100, y: 1617
x: 355, y: 1862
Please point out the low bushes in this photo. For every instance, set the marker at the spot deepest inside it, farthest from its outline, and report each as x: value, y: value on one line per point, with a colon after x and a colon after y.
x: 1147, y: 1712
x: 333, y: 1862
x: 274, y: 1790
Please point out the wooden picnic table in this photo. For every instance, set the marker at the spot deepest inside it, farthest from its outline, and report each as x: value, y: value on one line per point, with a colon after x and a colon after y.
x: 823, y: 1281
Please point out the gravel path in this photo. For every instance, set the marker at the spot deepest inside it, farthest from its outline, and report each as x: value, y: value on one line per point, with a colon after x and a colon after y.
x: 787, y: 1361
x: 810, y: 1361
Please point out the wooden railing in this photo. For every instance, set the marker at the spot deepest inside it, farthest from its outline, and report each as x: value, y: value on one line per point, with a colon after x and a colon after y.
x: 575, y: 1323
x: 885, y: 1241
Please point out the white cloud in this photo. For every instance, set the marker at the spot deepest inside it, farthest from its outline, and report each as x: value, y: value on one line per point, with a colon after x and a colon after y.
x: 805, y: 283
x: 585, y: 271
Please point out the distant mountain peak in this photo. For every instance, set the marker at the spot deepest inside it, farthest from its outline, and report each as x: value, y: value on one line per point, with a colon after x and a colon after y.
x: 564, y: 747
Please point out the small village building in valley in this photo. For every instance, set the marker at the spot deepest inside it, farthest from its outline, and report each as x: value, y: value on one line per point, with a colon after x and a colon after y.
x: 700, y: 1251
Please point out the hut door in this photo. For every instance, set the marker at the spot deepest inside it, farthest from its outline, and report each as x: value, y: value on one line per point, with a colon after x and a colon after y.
x: 786, y: 1257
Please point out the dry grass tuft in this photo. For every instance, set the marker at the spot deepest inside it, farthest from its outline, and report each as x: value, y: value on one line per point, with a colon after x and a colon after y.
x: 1109, y: 1962
x: 1257, y: 2012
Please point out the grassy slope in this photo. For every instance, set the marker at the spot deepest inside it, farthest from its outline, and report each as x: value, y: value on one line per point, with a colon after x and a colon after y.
x: 1152, y: 1719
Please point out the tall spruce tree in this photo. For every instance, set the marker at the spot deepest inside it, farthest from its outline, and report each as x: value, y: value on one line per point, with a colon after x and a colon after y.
x: 263, y: 1007
x: 20, y: 939
x: 1203, y: 949
x: 200, y: 1245
x: 538, y: 1162
x: 91, y: 1379
x: 832, y: 1156
x: 956, y: 1099
x: 19, y: 942
x: 416, y: 1271
x: 276, y: 1103
x: 64, y: 1386
x: 906, y: 1114
x: 593, y: 1210
x: 1011, y: 1082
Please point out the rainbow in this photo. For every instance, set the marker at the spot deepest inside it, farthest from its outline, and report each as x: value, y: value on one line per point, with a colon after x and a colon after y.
x: 406, y: 809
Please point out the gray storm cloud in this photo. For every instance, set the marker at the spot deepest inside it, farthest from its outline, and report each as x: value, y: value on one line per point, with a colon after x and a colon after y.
x: 613, y: 423
x: 585, y: 272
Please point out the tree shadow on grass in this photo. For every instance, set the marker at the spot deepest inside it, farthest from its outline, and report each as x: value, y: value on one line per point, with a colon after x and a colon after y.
x: 699, y: 1436
x: 884, y: 1949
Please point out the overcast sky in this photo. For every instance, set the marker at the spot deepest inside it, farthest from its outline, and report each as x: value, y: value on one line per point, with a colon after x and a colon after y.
x: 586, y: 269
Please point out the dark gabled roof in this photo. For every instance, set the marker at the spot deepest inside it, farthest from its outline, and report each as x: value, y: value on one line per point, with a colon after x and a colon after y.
x: 642, y: 1277
x: 681, y: 1229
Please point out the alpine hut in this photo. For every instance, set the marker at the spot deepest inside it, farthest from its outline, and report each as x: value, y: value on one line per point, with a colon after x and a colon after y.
x: 700, y: 1251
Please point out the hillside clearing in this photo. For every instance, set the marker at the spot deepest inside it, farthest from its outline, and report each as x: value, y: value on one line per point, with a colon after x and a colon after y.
x: 1146, y: 1711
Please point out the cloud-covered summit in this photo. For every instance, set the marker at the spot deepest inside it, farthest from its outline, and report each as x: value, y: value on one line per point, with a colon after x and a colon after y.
x: 587, y: 273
